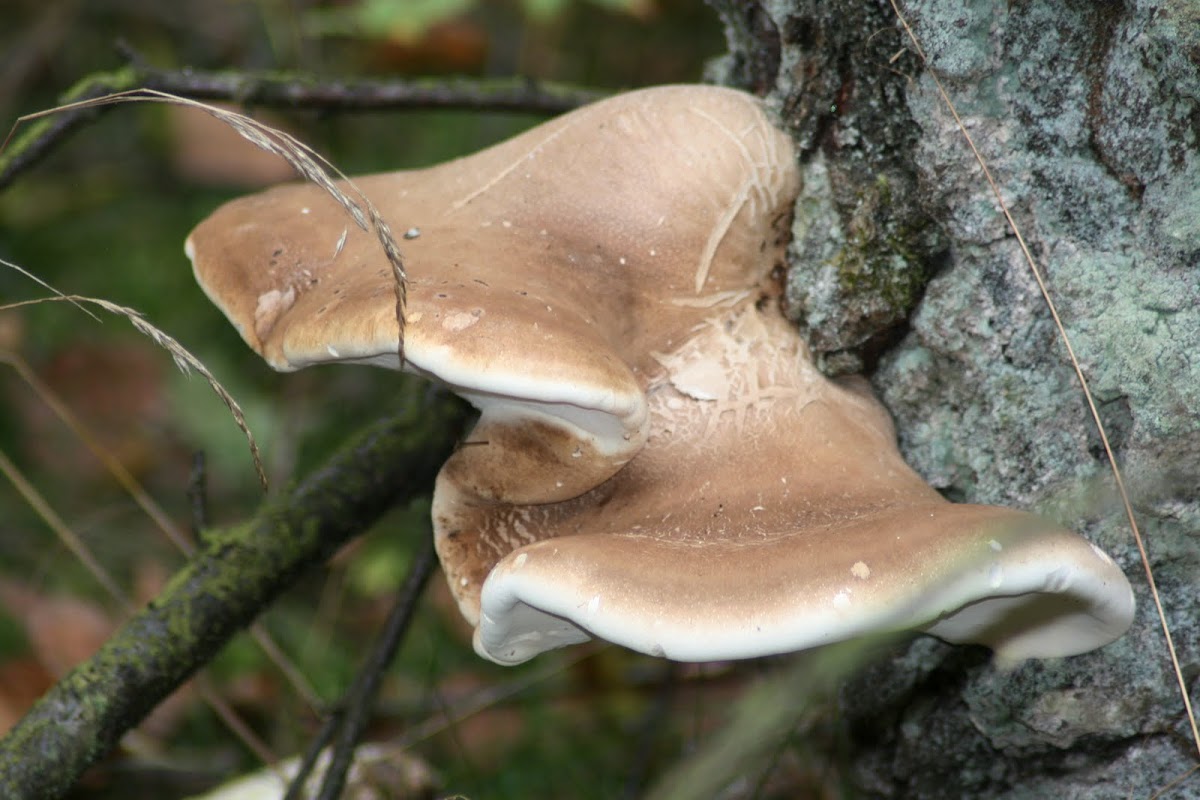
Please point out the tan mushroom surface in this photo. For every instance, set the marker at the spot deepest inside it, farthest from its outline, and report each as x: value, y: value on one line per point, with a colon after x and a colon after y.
x: 657, y: 461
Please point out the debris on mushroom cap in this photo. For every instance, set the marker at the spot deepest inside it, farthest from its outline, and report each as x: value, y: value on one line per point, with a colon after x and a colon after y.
x: 657, y: 462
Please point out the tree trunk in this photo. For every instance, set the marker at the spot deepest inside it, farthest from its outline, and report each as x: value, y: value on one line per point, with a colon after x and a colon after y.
x: 1088, y: 114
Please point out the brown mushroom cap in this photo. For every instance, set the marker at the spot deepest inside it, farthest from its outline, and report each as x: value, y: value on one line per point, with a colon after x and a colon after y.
x: 545, y: 270
x: 657, y: 462
x: 776, y: 514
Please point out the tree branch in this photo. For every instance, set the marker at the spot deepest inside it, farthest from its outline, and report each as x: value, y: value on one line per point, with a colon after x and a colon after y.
x: 238, y: 572
x: 350, y: 720
x: 287, y: 90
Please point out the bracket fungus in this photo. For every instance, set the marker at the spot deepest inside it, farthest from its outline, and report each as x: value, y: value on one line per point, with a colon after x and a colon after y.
x: 657, y: 462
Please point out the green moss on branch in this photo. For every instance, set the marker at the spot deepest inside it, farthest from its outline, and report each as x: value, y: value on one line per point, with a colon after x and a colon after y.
x: 231, y: 579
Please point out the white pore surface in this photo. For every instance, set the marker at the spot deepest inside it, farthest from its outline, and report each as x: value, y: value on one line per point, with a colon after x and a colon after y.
x: 1021, y: 606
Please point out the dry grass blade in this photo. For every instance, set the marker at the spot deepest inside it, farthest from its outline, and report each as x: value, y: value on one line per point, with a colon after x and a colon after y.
x: 233, y: 721
x: 68, y: 537
x: 1161, y: 793
x: 312, y: 167
x: 488, y: 698
x: 1087, y: 393
x: 153, y: 511
x: 81, y: 551
x: 111, y: 463
x: 183, y: 359
x: 309, y: 164
x: 47, y: 286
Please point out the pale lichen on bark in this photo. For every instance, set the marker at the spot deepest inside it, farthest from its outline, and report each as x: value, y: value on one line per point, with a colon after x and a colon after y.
x: 1089, y: 116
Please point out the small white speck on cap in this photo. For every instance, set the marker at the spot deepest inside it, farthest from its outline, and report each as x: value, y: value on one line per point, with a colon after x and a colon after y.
x: 520, y: 560
x: 305, y: 211
x: 412, y: 233
x: 332, y: 351
x: 995, y: 545
x: 1059, y: 580
x: 995, y: 576
x: 860, y: 570
x: 463, y: 581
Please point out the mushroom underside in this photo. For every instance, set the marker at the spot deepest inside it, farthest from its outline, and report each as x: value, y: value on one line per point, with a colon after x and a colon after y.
x: 1004, y: 579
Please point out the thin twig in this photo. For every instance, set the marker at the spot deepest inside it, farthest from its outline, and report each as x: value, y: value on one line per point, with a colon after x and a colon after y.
x: 111, y: 463
x: 197, y: 494
x: 152, y: 510
x: 489, y: 697
x: 239, y: 572
x: 86, y: 557
x: 155, y: 512
x: 68, y: 537
x: 355, y: 711
x: 290, y: 90
x: 1087, y: 392
x: 213, y: 699
x: 1171, y: 786
x: 183, y: 358
x: 361, y: 700
x: 312, y: 755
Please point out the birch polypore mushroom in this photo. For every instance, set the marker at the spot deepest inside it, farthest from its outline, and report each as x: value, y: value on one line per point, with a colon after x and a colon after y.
x: 657, y: 462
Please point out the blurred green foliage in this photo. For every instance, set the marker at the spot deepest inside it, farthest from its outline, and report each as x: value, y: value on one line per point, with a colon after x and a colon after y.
x: 410, y: 19
x: 402, y: 19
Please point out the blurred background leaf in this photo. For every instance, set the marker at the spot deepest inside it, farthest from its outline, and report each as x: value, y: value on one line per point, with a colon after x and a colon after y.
x: 399, y: 20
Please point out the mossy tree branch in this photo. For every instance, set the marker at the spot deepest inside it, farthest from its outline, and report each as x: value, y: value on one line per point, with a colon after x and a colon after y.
x: 287, y: 90
x: 238, y: 571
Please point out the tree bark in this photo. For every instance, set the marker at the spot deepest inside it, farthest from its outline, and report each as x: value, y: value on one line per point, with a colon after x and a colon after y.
x: 1088, y: 114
